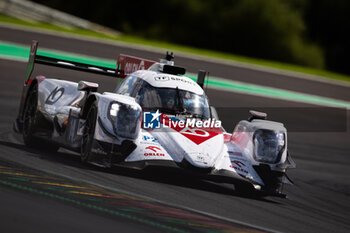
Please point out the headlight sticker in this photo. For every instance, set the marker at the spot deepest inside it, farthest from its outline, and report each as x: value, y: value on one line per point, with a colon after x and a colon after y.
x: 268, y: 145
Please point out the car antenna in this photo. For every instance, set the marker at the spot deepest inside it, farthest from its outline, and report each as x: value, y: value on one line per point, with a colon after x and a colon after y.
x: 169, y: 56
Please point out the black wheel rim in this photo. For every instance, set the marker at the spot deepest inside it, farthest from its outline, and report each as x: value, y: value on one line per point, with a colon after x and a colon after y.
x: 29, y: 114
x: 88, y: 132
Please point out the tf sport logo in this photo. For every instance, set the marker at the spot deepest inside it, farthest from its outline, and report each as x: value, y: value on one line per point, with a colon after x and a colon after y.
x: 151, y: 120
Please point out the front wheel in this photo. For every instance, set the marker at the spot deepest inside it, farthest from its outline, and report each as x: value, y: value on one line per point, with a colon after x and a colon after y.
x: 88, y: 133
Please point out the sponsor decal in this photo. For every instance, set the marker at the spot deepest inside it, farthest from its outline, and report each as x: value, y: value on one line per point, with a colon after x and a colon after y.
x: 198, y: 131
x: 170, y: 78
x: 150, y: 139
x: 162, y: 78
x: 129, y: 64
x: 238, y: 163
x: 153, y: 148
x: 151, y: 120
x: 191, y: 123
x: 156, y: 151
x: 238, y: 166
x: 132, y: 67
x: 142, y: 65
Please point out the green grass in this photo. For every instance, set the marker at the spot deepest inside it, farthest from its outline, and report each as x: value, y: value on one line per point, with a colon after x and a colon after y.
x: 180, y: 48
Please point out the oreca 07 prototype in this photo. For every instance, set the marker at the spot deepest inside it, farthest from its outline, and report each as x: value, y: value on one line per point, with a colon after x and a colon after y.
x: 155, y: 116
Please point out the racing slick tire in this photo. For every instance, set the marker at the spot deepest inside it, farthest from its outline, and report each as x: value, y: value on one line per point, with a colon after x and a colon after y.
x: 88, y: 133
x: 30, y: 122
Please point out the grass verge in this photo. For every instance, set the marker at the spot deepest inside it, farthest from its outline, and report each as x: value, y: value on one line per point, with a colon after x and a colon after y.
x: 180, y: 48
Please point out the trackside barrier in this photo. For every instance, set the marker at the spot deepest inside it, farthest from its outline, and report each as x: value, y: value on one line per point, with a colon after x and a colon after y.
x: 24, y: 9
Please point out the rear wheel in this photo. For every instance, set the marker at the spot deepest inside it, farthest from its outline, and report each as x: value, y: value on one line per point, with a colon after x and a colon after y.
x: 30, y: 122
x: 88, y: 133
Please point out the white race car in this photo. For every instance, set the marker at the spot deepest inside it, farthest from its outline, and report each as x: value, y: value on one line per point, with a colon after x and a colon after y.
x: 156, y: 116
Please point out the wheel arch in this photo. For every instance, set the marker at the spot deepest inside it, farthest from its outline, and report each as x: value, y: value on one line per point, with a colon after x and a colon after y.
x: 28, y: 89
x: 87, y: 104
x: 18, y: 123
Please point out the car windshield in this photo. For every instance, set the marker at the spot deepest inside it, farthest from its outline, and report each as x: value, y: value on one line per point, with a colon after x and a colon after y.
x: 172, y: 101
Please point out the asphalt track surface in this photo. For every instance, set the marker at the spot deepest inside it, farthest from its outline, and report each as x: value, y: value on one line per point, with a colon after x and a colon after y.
x: 318, y: 202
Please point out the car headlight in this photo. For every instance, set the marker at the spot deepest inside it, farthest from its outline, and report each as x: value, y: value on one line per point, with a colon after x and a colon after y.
x: 268, y: 145
x: 126, y: 119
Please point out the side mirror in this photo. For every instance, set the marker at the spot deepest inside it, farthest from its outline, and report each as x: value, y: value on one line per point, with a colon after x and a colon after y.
x: 87, y: 86
x: 257, y: 115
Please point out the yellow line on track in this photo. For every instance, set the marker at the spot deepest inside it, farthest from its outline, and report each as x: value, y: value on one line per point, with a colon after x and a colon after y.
x: 62, y: 185
x: 19, y: 174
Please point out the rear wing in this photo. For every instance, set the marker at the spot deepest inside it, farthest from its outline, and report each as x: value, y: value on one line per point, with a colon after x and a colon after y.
x: 125, y: 65
x: 51, y: 61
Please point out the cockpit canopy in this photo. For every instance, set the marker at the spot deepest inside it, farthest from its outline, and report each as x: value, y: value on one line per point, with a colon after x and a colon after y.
x: 166, y: 100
